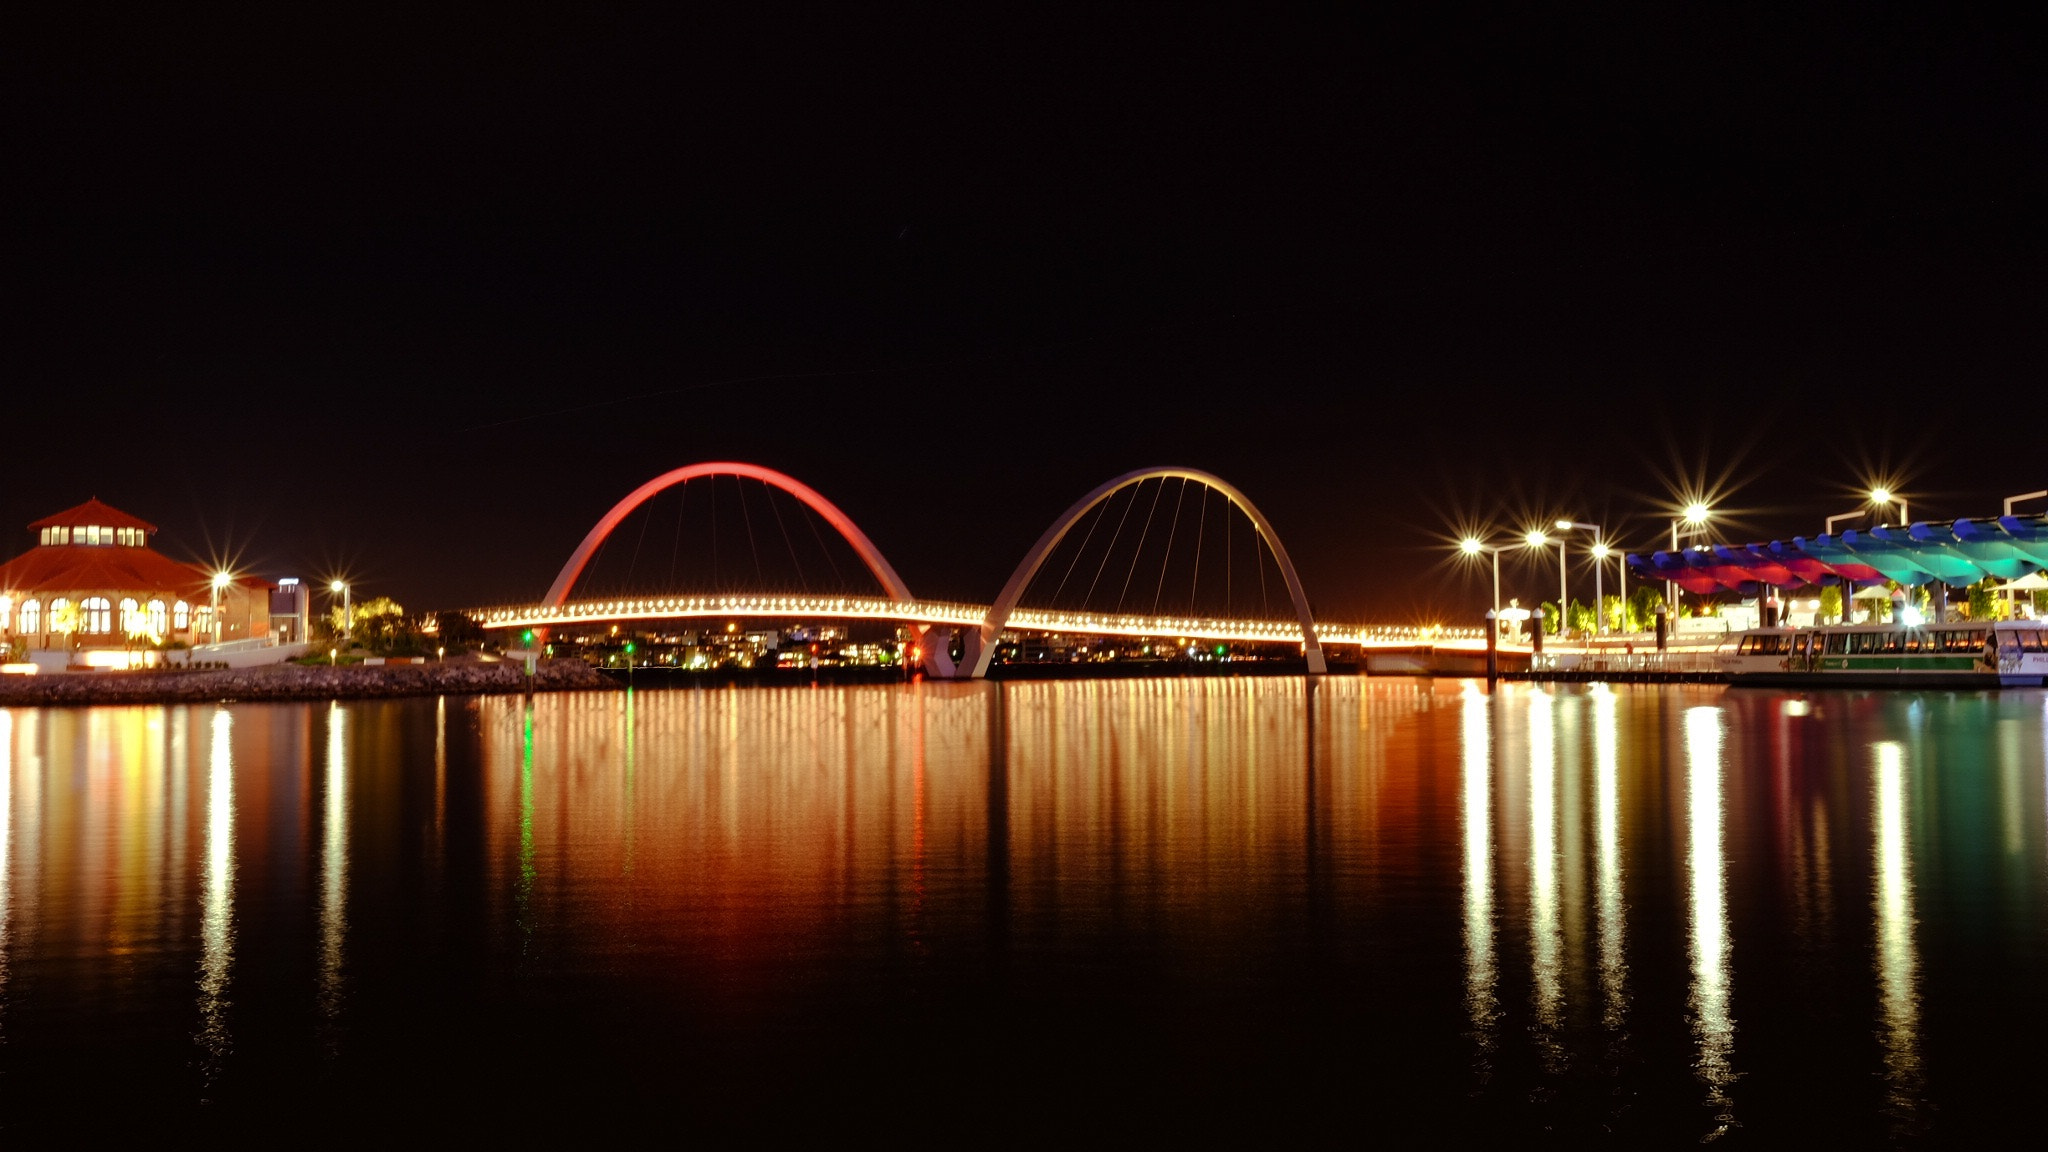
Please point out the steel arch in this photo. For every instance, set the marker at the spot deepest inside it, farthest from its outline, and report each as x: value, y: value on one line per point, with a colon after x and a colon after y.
x: 558, y: 593
x: 999, y: 612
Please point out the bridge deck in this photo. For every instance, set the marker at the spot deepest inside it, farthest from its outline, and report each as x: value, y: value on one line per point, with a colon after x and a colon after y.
x: 960, y: 615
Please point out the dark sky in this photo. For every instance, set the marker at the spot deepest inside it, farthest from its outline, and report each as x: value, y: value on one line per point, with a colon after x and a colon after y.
x: 424, y: 298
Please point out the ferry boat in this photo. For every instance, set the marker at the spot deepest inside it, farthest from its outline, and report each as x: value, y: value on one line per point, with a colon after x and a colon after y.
x: 1963, y: 655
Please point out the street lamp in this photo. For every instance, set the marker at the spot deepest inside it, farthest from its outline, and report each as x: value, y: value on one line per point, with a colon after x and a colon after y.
x: 1694, y: 518
x: 348, y: 625
x: 1473, y: 546
x: 1599, y: 551
x: 1536, y: 539
x: 1880, y: 497
x: 220, y: 581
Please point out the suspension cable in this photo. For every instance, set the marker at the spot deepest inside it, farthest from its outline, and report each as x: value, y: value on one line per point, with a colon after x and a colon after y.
x: 1111, y: 546
x: 802, y: 585
x: 748, y: 517
x: 811, y: 522
x: 1135, y: 556
x: 1201, y: 530
x: 1172, y: 531
x: 1100, y: 511
x: 634, y: 567
x: 1258, y: 552
x: 676, y: 548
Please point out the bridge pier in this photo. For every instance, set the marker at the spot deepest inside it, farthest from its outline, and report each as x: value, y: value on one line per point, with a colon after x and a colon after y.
x: 935, y: 651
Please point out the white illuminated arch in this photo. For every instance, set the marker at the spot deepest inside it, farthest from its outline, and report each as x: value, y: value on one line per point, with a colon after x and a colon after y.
x: 999, y: 612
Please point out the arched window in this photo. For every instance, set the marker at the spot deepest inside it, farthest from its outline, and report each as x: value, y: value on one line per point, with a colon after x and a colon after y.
x: 62, y: 618
x: 181, y: 616
x: 96, y: 616
x: 31, y: 617
x: 6, y: 612
x: 131, y: 617
x: 156, y: 618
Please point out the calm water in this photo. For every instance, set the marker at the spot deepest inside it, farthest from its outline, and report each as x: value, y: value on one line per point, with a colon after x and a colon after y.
x: 1639, y: 915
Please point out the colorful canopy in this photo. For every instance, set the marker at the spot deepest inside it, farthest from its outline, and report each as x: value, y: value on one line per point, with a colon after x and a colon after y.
x: 1962, y: 552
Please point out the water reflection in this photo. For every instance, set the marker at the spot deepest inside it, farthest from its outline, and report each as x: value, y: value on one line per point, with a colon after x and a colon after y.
x: 6, y: 828
x: 1475, y: 815
x: 1897, y: 959
x: 1713, y: 1025
x: 1544, y: 943
x: 334, y: 864
x: 1607, y: 851
x: 1142, y: 864
x: 217, y: 897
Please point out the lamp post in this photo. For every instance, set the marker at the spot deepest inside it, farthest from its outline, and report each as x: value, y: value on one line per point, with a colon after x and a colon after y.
x: 220, y: 581
x: 1473, y: 546
x: 1599, y: 551
x: 1881, y: 496
x: 348, y: 624
x: 1536, y: 539
x: 1694, y: 519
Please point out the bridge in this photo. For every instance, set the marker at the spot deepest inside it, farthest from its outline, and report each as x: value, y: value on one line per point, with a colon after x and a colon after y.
x: 980, y: 626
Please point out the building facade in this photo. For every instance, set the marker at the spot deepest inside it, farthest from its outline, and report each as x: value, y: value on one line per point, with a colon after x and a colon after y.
x: 94, y: 587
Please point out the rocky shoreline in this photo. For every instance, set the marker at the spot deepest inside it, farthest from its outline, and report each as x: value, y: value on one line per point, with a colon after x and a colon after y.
x: 298, y: 682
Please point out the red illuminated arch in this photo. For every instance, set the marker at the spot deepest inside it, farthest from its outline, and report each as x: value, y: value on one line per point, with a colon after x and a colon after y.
x: 558, y: 594
x: 999, y: 612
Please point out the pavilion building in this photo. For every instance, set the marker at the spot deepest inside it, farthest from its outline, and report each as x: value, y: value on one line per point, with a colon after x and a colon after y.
x: 95, y: 588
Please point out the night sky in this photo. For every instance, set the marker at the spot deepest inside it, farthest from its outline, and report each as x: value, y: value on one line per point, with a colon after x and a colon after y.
x: 420, y: 300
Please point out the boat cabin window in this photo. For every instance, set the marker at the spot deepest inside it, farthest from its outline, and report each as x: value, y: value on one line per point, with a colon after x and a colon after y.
x: 1764, y: 646
x: 2032, y: 639
x: 1962, y: 639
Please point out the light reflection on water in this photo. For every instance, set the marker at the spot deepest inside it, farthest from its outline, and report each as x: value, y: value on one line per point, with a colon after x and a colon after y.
x: 1225, y: 868
x: 1713, y: 1025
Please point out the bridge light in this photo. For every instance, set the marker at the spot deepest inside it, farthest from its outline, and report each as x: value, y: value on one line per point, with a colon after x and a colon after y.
x: 526, y: 636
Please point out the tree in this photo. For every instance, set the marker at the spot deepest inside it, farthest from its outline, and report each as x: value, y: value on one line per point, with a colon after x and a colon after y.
x: 1579, y: 618
x: 1985, y: 603
x: 457, y: 630
x: 1642, y: 607
x: 1552, y: 618
x: 1831, y: 602
x: 381, y: 626
x: 1614, y: 614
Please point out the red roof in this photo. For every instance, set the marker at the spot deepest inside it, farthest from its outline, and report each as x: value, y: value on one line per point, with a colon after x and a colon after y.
x: 92, y: 512
x: 76, y: 568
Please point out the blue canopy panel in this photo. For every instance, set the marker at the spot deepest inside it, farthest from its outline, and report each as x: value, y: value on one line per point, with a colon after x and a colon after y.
x: 1934, y: 551
x: 1677, y: 569
x: 1896, y: 561
x: 1990, y: 547
x: 1844, y: 563
x: 2029, y: 534
x: 1755, y: 566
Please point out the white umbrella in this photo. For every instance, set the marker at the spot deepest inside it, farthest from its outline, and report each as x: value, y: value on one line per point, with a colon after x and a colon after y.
x: 2033, y: 583
x: 1876, y: 592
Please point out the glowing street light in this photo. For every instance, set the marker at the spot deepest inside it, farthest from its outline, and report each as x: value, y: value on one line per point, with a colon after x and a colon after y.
x: 220, y: 581
x: 1473, y: 546
x: 1880, y: 497
x: 348, y: 625
x: 1694, y: 518
x: 1599, y: 551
